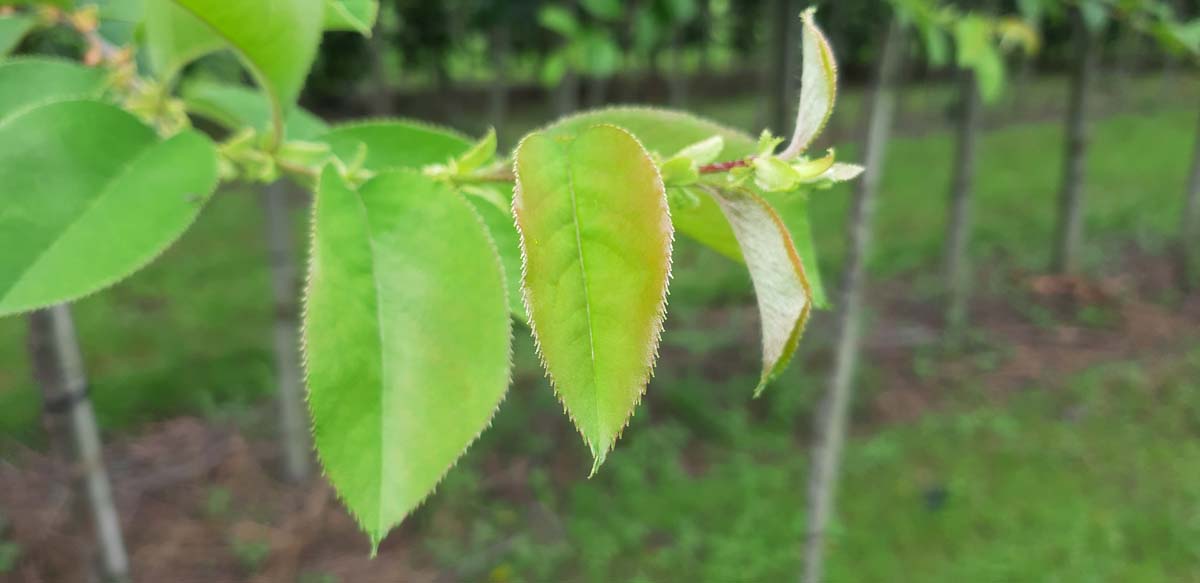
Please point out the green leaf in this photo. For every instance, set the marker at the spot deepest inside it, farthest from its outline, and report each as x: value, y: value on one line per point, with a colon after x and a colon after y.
x: 500, y: 226
x: 25, y: 81
x: 13, y: 28
x: 276, y: 38
x: 780, y: 283
x: 89, y: 195
x: 679, y: 171
x: 354, y: 15
x: 235, y: 107
x: 977, y: 52
x: 774, y: 175
x: 667, y: 131
x: 596, y: 237
x: 818, y: 87
x: 481, y: 153
x: 398, y: 144
x: 559, y: 20
x: 406, y: 338
x: 703, y: 152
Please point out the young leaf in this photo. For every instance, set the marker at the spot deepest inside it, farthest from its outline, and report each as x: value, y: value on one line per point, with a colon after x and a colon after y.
x: 703, y: 152
x: 596, y: 238
x: 818, y: 88
x: 235, y: 107
x: 27, y: 81
x: 355, y: 15
x: 406, y: 339
x: 277, y: 38
x: 480, y: 153
x: 784, y: 295
x: 90, y: 195
x: 669, y: 131
x: 13, y: 28
x: 398, y: 144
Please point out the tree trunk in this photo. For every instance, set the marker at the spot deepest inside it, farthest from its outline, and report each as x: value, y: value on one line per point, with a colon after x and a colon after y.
x: 293, y: 423
x: 1070, y: 203
x: 381, y: 93
x: 958, y: 267
x: 677, y: 78
x: 1190, y: 231
x: 498, y: 95
x: 833, y: 416
x: 782, y: 74
x: 58, y: 368
x: 566, y: 97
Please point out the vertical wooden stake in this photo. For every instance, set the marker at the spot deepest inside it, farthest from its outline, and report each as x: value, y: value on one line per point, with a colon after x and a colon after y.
x: 833, y: 415
x: 285, y: 291
x: 59, y: 369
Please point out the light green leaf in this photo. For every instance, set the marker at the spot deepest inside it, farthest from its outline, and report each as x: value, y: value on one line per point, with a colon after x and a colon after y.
x: 398, y: 144
x: 662, y: 131
x: 813, y: 168
x: 818, y: 88
x: 276, y: 38
x: 937, y: 48
x: 559, y: 20
x: 355, y: 15
x: 13, y: 28
x: 774, y: 175
x: 481, y: 153
x: 679, y: 171
x: 25, y: 81
x: 978, y: 52
x: 596, y: 237
x: 780, y: 283
x: 841, y: 172
x: 499, y: 223
x: 406, y: 338
x: 703, y: 152
x: 235, y: 107
x: 89, y: 195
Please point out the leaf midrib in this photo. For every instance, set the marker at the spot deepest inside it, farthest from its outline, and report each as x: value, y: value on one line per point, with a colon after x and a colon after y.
x: 587, y: 302
x: 383, y: 367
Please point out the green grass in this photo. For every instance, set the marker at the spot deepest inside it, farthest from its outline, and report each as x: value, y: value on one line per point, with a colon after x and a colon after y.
x: 1094, y: 480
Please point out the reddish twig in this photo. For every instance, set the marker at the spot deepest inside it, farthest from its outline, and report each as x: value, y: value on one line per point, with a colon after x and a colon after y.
x: 718, y: 167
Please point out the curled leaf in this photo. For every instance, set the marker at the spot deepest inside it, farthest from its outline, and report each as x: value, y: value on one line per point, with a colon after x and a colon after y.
x: 780, y: 283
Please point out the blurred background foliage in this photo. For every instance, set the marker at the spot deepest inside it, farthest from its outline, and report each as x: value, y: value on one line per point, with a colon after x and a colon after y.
x: 1059, y: 443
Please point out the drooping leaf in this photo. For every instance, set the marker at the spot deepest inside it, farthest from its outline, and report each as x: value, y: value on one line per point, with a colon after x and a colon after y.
x: 276, y: 38
x: 398, y: 144
x: 13, y: 28
x: 89, y: 195
x: 406, y: 339
x: 235, y: 107
x: 780, y: 282
x: 818, y: 87
x: 666, y: 132
x: 355, y: 15
x: 596, y: 238
x: 26, y: 81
